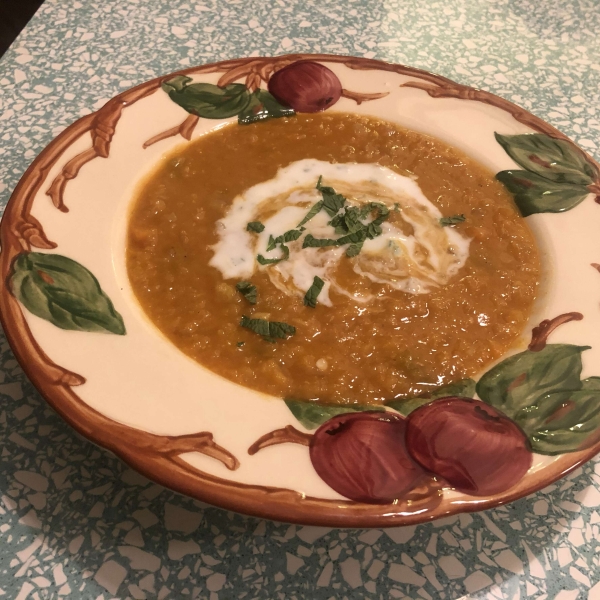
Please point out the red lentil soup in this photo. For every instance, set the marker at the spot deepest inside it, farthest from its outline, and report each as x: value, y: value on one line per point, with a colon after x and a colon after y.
x: 398, y: 344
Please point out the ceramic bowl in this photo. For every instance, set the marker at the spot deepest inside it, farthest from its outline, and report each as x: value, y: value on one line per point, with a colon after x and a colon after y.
x: 76, y: 328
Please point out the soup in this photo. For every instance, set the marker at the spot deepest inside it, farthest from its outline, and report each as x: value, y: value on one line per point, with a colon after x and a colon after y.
x: 331, y: 257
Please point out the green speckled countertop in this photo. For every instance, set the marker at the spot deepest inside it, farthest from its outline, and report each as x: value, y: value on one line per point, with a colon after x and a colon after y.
x: 75, y: 522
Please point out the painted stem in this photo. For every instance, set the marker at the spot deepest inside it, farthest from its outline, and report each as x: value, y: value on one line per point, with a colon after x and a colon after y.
x: 359, y: 98
x: 461, y: 92
x: 70, y: 171
x: 185, y: 130
x: 539, y: 335
x: 288, y: 434
x: 31, y: 234
x: 102, y: 129
x: 173, y: 446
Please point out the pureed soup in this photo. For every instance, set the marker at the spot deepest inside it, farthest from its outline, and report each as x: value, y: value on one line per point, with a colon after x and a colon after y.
x: 332, y: 257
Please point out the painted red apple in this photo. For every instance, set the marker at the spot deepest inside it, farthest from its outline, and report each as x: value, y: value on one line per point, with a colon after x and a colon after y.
x: 306, y: 86
x: 363, y: 456
x: 474, y: 447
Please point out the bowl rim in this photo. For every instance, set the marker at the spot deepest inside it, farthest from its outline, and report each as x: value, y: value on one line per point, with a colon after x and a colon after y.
x: 56, y: 384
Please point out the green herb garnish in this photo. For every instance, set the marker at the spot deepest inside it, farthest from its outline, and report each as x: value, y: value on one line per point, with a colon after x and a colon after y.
x: 356, y: 237
x: 446, y: 221
x: 347, y: 224
x: 289, y: 236
x: 332, y: 202
x: 240, y: 344
x: 310, y: 298
x: 273, y: 261
x: 354, y: 250
x: 247, y: 290
x: 269, y: 330
x: 312, y: 242
x: 271, y: 244
x: 348, y: 221
x: 316, y: 209
x: 255, y: 226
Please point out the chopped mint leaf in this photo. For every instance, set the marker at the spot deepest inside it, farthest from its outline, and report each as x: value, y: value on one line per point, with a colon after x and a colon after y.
x: 384, y: 213
x: 356, y: 237
x: 396, y: 207
x: 382, y: 209
x: 267, y: 261
x: 354, y: 250
x: 312, y: 242
x: 289, y: 236
x: 260, y: 326
x: 272, y: 243
x: 373, y: 230
x: 348, y: 221
x: 446, y: 221
x: 310, y: 298
x: 311, y: 213
x: 273, y: 261
x: 247, y: 290
x: 270, y: 330
x: 281, y: 330
x: 332, y: 202
x: 255, y: 226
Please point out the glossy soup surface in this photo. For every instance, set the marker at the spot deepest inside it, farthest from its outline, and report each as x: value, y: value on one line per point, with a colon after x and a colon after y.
x: 396, y: 344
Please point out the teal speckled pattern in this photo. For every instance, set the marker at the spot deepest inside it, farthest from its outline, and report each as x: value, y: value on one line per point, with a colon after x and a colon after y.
x: 77, y: 523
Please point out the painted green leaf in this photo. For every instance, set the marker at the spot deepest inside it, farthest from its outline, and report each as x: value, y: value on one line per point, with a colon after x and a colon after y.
x: 63, y: 292
x: 464, y: 388
x: 207, y: 100
x: 514, y: 385
x: 543, y: 394
x: 312, y: 415
x: 535, y: 194
x: 566, y: 424
x: 591, y: 383
x: 553, y: 159
x: 263, y: 106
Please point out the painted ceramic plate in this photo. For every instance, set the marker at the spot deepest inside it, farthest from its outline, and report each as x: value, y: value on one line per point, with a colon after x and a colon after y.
x: 73, y: 321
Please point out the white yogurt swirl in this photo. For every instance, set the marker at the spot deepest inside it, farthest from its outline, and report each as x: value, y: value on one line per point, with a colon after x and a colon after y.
x: 413, y: 254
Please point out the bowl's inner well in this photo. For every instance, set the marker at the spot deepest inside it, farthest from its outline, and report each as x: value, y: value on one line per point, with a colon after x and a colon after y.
x: 419, y: 298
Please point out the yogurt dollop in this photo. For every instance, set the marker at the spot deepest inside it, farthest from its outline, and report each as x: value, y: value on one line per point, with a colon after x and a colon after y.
x: 413, y: 254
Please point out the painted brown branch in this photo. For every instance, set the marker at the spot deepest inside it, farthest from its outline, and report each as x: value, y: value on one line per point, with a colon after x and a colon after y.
x: 596, y: 266
x: 594, y: 188
x: 56, y: 190
x: 539, y: 335
x: 172, y: 446
x: 461, y: 92
x: 359, y: 97
x: 267, y: 70
x: 253, y: 82
x: 102, y: 129
x: 239, y: 72
x: 287, y: 435
x: 30, y: 233
x: 185, y: 130
x: 255, y: 71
